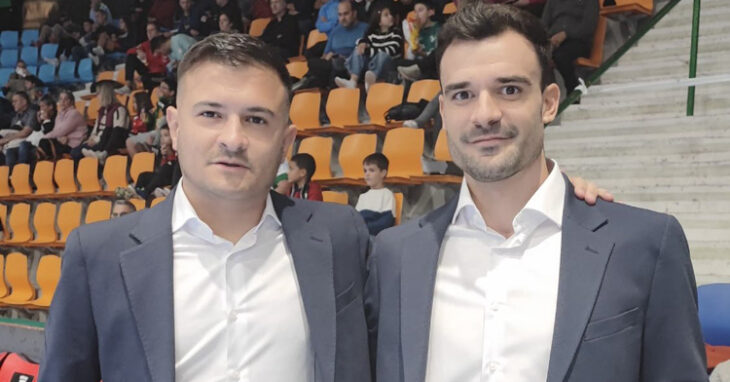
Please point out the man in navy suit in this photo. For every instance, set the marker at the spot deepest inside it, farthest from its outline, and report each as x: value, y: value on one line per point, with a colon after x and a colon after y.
x: 224, y: 280
x: 516, y: 279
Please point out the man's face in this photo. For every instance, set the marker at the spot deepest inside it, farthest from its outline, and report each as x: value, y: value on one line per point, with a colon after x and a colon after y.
x: 221, y: 3
x: 492, y: 106
x: 165, y: 48
x: 21, y: 68
x: 152, y: 31
x: 224, y: 23
x: 278, y: 7
x: 423, y: 14
x: 64, y: 101
x: 345, y: 14
x: 373, y: 175
x: 230, y: 130
x: 100, y: 17
x: 185, y: 5
x: 19, y: 104
x: 165, y: 90
x: 120, y: 209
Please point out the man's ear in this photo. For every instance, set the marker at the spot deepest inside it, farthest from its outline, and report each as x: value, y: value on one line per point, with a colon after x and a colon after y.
x: 289, y: 136
x: 550, y: 103
x: 172, y: 122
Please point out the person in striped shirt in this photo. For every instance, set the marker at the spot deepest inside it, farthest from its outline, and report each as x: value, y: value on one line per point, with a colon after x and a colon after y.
x: 382, y: 42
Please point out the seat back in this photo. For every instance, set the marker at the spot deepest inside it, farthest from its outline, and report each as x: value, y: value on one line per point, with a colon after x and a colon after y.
x: 320, y: 148
x: 342, y: 106
x: 63, y: 174
x: 20, y: 179
x: 47, y: 73
x: 258, y: 26
x: 92, y: 112
x: 9, y: 39
x: 47, y: 275
x: 304, y: 110
x: 88, y: 175
x: 16, y: 274
x: 297, y: 69
x: 66, y: 72
x: 139, y: 204
x: 29, y: 54
x: 98, y: 210
x: 157, y: 201
x: 4, y: 217
x: 5, y: 75
x: 449, y: 8
x: 29, y: 36
x: 713, y: 301
x: 86, y: 72
x: 3, y: 287
x: 354, y: 149
x: 441, y: 149
x: 69, y: 217
x: 43, y: 178
x: 115, y: 172
x: 404, y: 147
x: 8, y: 58
x: 4, y: 186
x: 315, y: 37
x: 381, y: 97
x: 80, y: 106
x: 141, y: 162
x: 334, y: 197
x: 599, y: 37
x: 398, y: 207
x: 19, y: 223
x: 44, y: 221
x: 48, y: 51
x: 105, y: 75
x: 423, y: 89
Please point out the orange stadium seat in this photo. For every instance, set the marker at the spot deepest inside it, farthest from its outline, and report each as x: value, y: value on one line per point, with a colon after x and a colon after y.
x: 87, y: 175
x: 354, y: 149
x: 315, y: 37
x: 3, y: 287
x: 69, y: 217
x: 342, y: 107
x: 381, y: 97
x: 105, y: 75
x: 320, y: 148
x: 47, y: 275
x: 398, y: 207
x: 98, y: 210
x: 644, y: 7
x: 297, y: 69
x: 334, y: 197
x: 20, y: 180
x: 139, y: 204
x: 258, y: 26
x: 63, y: 174
x: 81, y: 107
x: 4, y: 186
x: 19, y: 224
x: 92, y: 111
x: 304, y: 111
x: 596, y: 58
x: 156, y: 201
x: 141, y: 162
x: 449, y: 8
x: 115, y: 173
x: 423, y: 89
x: 403, y: 147
x: 4, y: 218
x: 441, y: 153
x: 44, y: 221
x: 16, y: 274
x: 155, y: 96
x: 43, y: 179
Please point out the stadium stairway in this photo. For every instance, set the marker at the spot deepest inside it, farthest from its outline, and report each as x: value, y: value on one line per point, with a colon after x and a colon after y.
x: 639, y: 144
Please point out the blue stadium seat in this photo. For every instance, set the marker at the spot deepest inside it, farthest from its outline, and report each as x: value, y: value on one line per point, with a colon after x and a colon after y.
x: 29, y: 54
x: 66, y: 72
x: 9, y: 39
x: 713, y: 301
x: 8, y: 58
x: 47, y: 73
x: 32, y: 70
x: 5, y: 75
x: 48, y: 51
x: 86, y: 74
x: 29, y: 36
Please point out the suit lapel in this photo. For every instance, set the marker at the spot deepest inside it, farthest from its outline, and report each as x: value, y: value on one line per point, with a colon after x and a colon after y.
x: 147, y: 275
x: 583, y: 261
x: 311, y: 250
x: 418, y: 275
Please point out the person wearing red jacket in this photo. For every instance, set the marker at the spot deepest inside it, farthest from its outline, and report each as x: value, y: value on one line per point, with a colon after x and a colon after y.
x: 149, y: 59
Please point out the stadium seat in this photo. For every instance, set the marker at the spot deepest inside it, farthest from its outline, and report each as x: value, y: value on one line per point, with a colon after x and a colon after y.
x: 17, y: 368
x: 713, y: 301
x: 320, y: 148
x: 297, y: 69
x: 398, y: 207
x: 5, y: 75
x: 449, y: 8
x: 29, y: 54
x: 155, y: 95
x: 423, y: 89
x: 92, y: 112
x: 644, y: 7
x: 81, y: 107
x: 156, y: 201
x: 258, y: 26
x: 3, y: 287
x: 63, y: 175
x: 20, y: 180
x: 139, y: 204
x: 105, y: 75
x: 354, y: 149
x: 441, y: 153
x: 47, y: 73
x: 47, y: 275
x: 69, y: 217
x: 596, y: 58
x: 4, y: 185
x: 86, y: 72
x: 66, y: 73
x: 43, y: 180
x: 381, y: 97
x: 403, y: 147
x: 9, y: 58
x: 48, y: 51
x: 19, y: 224
x: 29, y: 36
x: 342, y: 108
x: 304, y: 111
x: 44, y: 221
x: 335, y: 197
x: 141, y: 162
x: 33, y: 70
x: 16, y: 274
x: 115, y: 173
x: 315, y: 37
x: 9, y: 39
x: 87, y: 176
x: 98, y: 210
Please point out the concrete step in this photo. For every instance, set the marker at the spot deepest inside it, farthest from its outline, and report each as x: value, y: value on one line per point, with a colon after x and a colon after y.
x: 604, y: 95
x: 675, y: 48
x: 607, y: 168
x: 710, y: 149
x: 570, y: 139
x: 671, y: 68
x: 661, y: 32
x: 630, y: 125
x: 703, y: 106
x: 682, y: 14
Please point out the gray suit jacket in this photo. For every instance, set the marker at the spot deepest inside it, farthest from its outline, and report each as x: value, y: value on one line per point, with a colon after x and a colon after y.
x: 112, y: 314
x: 626, y: 310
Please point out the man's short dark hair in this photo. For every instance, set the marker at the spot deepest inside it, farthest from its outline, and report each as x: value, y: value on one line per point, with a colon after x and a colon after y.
x: 171, y: 83
x: 24, y: 95
x: 236, y: 50
x: 157, y: 42
x: 165, y: 127
x: 427, y: 3
x: 379, y: 160
x: 48, y: 100
x: 478, y: 21
x: 124, y: 202
x: 68, y: 94
x: 305, y: 161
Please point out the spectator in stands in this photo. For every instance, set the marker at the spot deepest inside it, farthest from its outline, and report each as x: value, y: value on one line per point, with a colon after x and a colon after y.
x: 147, y: 59
x: 26, y: 151
x: 166, y: 174
x: 216, y: 8
x: 179, y: 44
x: 34, y: 88
x: 102, y: 39
x: 16, y: 81
x: 301, y: 169
x: 422, y: 41
x: 69, y: 130
x: 365, y: 8
x: 383, y: 42
x: 22, y: 124
x: 187, y: 19
x: 96, y: 5
x: 377, y: 205
x: 303, y: 10
x: 162, y: 13
x: 254, y: 9
x: 144, y: 120
x: 110, y: 130
x: 340, y: 45
x: 121, y: 207
x: 225, y: 24
x: 282, y: 32
x: 150, y: 140
x: 328, y: 16
x: 571, y: 26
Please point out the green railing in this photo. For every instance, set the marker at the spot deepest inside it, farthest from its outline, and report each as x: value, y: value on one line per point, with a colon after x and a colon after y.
x: 643, y: 29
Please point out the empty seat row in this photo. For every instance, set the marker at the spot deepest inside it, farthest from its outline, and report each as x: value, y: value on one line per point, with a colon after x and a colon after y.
x: 16, y: 290
x: 9, y: 39
x: 31, y: 55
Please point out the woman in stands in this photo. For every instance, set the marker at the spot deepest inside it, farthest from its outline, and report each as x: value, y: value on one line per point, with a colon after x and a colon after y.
x: 382, y: 42
x: 69, y: 130
x: 46, y: 120
x: 110, y: 130
x: 225, y: 24
x: 144, y: 120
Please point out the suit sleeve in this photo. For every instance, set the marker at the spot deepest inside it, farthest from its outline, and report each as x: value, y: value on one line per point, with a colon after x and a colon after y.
x: 372, y: 304
x: 71, y: 352
x: 673, y: 348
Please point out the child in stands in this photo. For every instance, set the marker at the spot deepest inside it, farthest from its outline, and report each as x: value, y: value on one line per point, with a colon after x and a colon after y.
x: 144, y: 120
x: 301, y: 169
x: 377, y: 205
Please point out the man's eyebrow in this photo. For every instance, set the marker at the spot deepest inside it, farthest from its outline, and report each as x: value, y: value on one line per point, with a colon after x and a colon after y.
x: 455, y: 86
x: 218, y: 105
x: 212, y: 104
x: 514, y: 79
x: 260, y: 109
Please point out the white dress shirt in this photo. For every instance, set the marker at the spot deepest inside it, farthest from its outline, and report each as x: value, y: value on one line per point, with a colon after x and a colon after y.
x: 495, y: 299
x: 238, y: 308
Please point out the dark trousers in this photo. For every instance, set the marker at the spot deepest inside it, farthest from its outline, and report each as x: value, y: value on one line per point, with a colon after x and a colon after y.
x: 564, y: 57
x: 133, y: 64
x: 323, y: 72
x: 51, y: 149
x: 111, y: 140
x: 149, y: 181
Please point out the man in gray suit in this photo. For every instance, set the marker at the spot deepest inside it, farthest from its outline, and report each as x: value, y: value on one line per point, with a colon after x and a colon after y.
x: 516, y: 279
x: 224, y: 280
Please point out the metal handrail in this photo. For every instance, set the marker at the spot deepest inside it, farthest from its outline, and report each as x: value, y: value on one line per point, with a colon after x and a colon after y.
x: 693, y: 56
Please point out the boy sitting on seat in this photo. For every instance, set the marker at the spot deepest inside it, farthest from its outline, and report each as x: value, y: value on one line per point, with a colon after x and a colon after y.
x: 377, y: 205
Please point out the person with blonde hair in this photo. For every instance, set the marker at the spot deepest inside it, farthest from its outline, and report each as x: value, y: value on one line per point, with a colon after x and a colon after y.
x: 110, y: 129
